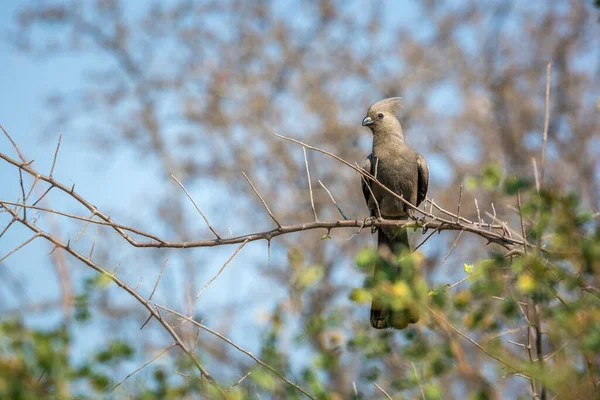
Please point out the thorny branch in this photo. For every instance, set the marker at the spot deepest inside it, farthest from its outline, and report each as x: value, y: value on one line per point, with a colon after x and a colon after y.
x: 493, y: 233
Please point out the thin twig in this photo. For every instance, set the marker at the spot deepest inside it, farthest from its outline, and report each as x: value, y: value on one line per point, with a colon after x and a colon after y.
x: 383, y: 391
x: 66, y: 247
x: 521, y: 218
x: 546, y: 123
x: 14, y: 145
x: 458, y: 283
x: 55, y: 155
x: 223, y: 267
x: 372, y: 195
x: 453, y: 246
x: 93, y: 244
x: 441, y: 318
x: 333, y: 200
x: 195, y: 205
x: 25, y: 243
x: 261, y: 199
x: 145, y: 365
x: 158, y: 279
x: 478, y: 213
x: 240, y: 381
x: 535, y: 174
x: 419, y: 379
x: 312, y: 200
x: 249, y: 354
x: 459, y: 201
x: 427, y: 238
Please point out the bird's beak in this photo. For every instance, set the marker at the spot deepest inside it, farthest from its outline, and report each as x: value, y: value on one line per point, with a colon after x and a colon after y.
x: 367, y: 121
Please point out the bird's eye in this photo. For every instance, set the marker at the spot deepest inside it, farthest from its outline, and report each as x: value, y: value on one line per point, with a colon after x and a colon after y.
x: 380, y: 115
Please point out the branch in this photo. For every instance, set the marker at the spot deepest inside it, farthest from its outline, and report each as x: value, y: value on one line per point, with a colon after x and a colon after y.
x: 60, y: 245
x: 258, y: 360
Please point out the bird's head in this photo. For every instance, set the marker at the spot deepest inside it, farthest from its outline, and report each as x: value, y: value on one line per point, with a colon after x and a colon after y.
x: 381, y: 116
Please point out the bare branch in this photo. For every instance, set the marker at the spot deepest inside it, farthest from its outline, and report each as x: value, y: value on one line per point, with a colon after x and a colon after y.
x: 387, y: 396
x: 419, y: 379
x: 145, y: 365
x: 158, y: 279
x: 55, y: 155
x: 223, y: 267
x: 333, y: 200
x: 195, y: 205
x: 25, y: 243
x: 442, y: 319
x: 312, y: 200
x: 453, y: 246
x: 261, y: 199
x: 546, y: 123
x: 58, y: 244
x: 521, y: 218
x: 459, y: 201
x: 258, y: 360
x: 14, y: 145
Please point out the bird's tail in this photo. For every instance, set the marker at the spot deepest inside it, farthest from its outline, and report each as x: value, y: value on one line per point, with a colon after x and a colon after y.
x: 382, y: 315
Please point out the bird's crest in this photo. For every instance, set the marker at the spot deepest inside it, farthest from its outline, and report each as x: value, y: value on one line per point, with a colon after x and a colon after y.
x: 392, y: 105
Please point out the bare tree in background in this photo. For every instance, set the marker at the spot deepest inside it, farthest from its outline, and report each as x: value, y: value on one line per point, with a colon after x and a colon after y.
x: 200, y: 88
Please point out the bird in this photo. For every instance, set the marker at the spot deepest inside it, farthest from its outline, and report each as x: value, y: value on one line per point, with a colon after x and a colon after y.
x: 403, y: 170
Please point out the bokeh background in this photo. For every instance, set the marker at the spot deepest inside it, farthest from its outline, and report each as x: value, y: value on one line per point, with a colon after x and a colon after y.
x: 143, y: 90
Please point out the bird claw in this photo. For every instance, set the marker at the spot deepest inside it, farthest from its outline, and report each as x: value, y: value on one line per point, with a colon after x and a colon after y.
x: 411, y: 215
x: 371, y: 221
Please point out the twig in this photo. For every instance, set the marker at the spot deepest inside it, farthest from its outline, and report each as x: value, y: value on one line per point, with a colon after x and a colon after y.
x: 546, y: 123
x: 333, y: 200
x: 312, y: 201
x: 419, y: 379
x: 453, y: 246
x: 261, y: 199
x: 459, y: 201
x: 517, y: 344
x: 145, y: 365
x: 55, y: 155
x: 383, y: 391
x: 440, y: 318
x: 249, y: 354
x: 22, y: 193
x: 521, y: 218
x: 14, y: 145
x: 87, y: 220
x: 158, y: 279
x: 93, y: 244
x: 58, y: 244
x: 458, y: 283
x: 427, y: 238
x: 535, y: 174
x: 372, y: 195
x: 223, y: 267
x: 25, y: 243
x: 478, y: 213
x: 240, y: 381
x: 195, y: 205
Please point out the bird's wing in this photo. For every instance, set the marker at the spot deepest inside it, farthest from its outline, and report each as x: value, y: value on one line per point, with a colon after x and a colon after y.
x: 367, y: 166
x: 423, y: 183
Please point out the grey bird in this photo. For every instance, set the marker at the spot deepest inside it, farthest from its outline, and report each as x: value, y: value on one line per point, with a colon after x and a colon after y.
x: 401, y: 169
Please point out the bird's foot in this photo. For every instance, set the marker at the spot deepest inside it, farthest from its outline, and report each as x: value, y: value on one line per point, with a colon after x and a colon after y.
x: 411, y: 215
x: 370, y: 221
x: 423, y: 222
